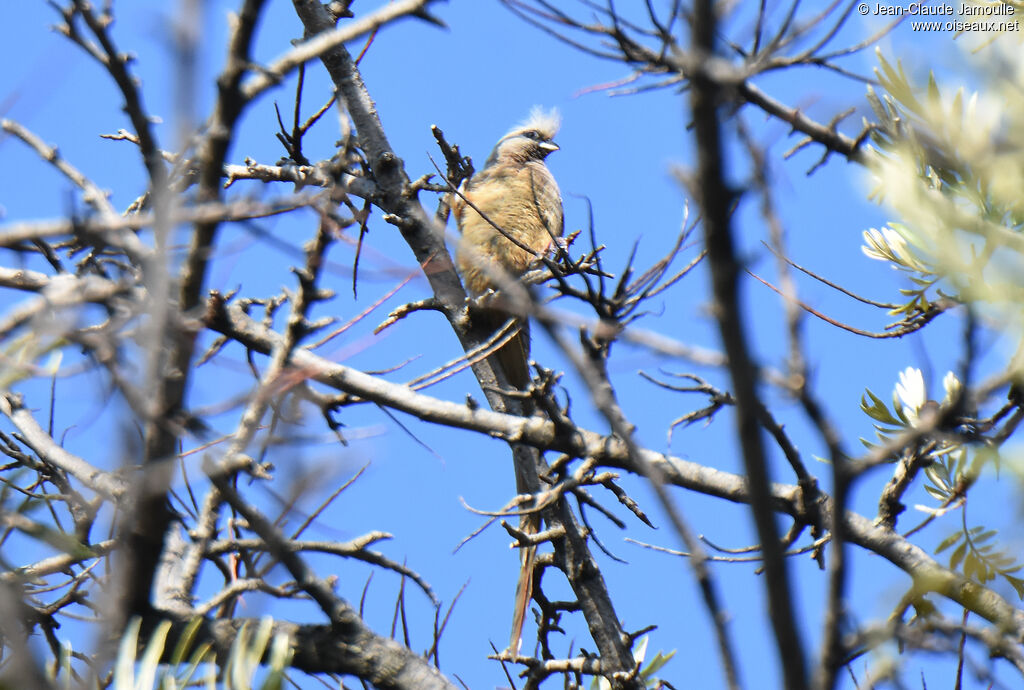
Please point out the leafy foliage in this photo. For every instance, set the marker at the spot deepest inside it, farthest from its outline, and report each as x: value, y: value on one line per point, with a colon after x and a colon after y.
x: 980, y: 558
x: 948, y: 474
x: 646, y: 672
x: 134, y: 672
x: 950, y: 168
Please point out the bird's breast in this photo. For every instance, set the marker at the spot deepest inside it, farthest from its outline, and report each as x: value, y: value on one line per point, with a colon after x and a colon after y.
x: 524, y: 201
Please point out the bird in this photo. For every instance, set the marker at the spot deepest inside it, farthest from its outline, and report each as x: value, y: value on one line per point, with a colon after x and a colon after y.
x: 509, y: 215
x: 516, y: 192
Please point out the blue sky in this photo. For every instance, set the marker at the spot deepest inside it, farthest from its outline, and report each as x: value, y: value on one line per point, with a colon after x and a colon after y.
x: 474, y: 80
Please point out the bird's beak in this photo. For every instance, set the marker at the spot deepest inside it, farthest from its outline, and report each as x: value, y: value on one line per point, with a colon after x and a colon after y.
x: 548, y: 145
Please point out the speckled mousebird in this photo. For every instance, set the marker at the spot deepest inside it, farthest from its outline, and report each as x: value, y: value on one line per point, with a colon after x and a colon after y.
x: 515, y: 191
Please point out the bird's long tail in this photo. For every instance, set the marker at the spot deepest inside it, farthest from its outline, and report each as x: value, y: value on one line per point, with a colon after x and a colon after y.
x: 514, y: 358
x: 514, y: 355
x: 524, y: 593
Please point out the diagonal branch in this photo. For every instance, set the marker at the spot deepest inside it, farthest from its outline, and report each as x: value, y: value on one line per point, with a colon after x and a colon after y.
x: 788, y: 499
x: 106, y: 484
x: 328, y: 40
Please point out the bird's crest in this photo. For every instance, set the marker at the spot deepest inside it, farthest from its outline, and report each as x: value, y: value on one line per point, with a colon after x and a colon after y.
x: 529, y: 140
x: 544, y: 122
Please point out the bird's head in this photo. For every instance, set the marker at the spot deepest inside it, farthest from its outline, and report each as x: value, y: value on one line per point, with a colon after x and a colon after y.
x: 531, y: 140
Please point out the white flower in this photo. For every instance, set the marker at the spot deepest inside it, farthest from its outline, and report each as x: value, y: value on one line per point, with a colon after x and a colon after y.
x: 952, y: 386
x: 889, y: 244
x: 875, y: 246
x: 910, y: 394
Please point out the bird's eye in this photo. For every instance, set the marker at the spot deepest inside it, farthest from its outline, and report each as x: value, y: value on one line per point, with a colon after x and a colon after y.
x: 532, y: 134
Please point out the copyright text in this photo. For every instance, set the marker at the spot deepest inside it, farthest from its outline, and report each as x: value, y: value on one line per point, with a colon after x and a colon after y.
x: 918, y: 9
x: 947, y: 17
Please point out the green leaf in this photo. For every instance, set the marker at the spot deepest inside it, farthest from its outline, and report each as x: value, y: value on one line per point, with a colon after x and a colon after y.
x: 62, y: 541
x: 884, y: 82
x: 280, y: 656
x: 985, y: 572
x: 877, y: 409
x: 890, y: 74
x: 961, y: 463
x: 124, y: 668
x: 640, y: 650
x: 948, y: 541
x: 237, y: 674
x: 938, y: 473
x: 204, y: 653
x: 657, y: 663
x: 262, y: 639
x: 876, y: 105
x: 150, y: 662
x: 934, y: 98
x: 185, y: 641
x: 970, y: 566
x: 958, y: 556
x: 898, y: 409
x: 1017, y: 584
